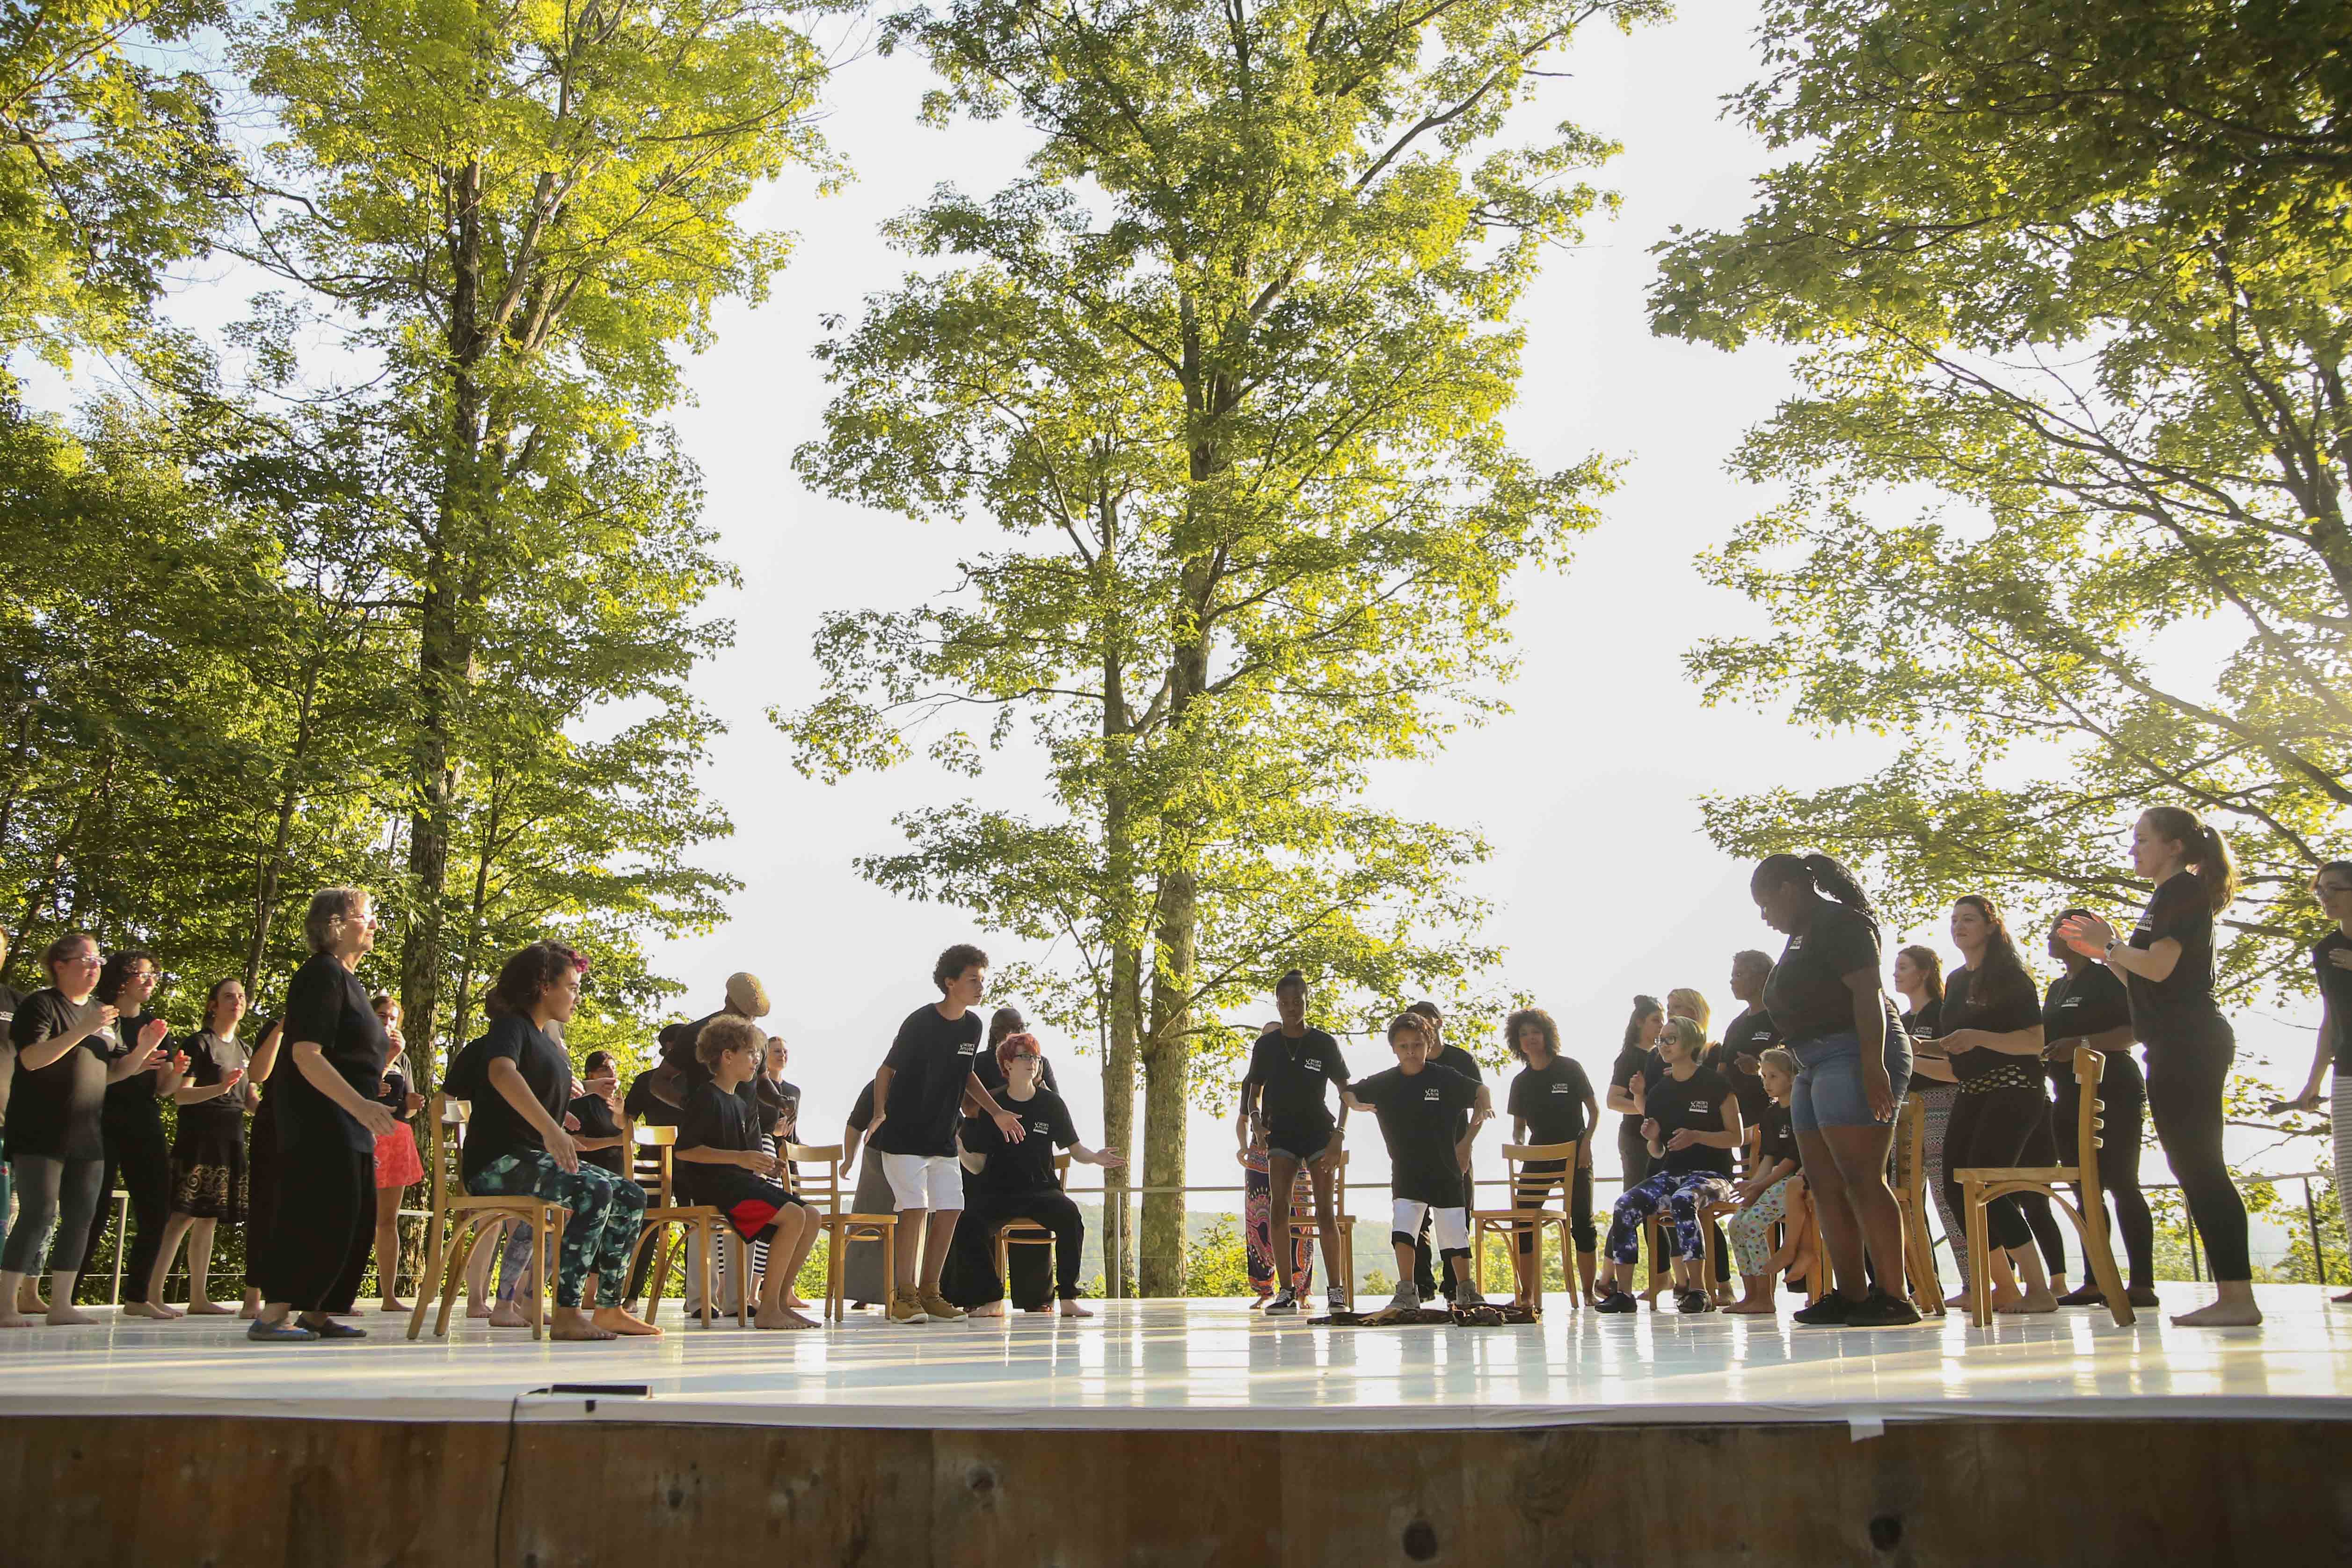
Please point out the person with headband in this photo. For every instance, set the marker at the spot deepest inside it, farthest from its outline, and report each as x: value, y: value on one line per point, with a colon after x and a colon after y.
x: 2167, y: 968
x: 1417, y: 1105
x: 1690, y: 1127
x: 2331, y: 961
x: 1854, y: 1063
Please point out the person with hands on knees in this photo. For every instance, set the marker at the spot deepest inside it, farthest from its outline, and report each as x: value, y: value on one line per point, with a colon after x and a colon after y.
x: 736, y: 1170
x: 1551, y: 1102
x: 1417, y: 1105
x: 57, y: 1151
x: 208, y: 1157
x: 1766, y: 1196
x: 1854, y: 1064
x: 1690, y: 1130
x: 2331, y: 959
x: 519, y: 1143
x: 2167, y: 968
x: 1009, y: 1181
x: 919, y: 1093
x: 327, y: 1120
x: 1283, y: 1104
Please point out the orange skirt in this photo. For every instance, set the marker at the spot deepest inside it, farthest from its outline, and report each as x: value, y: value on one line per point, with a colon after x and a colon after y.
x: 397, y: 1165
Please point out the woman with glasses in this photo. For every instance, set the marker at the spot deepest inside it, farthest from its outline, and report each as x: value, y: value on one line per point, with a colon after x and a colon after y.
x: 1010, y: 1181
x: 138, y: 1155
x: 57, y: 1151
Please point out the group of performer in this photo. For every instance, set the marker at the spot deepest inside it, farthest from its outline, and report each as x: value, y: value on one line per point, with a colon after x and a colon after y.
x: 307, y: 1128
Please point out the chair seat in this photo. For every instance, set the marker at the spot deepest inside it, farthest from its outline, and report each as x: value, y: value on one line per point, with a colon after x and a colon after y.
x: 2048, y: 1175
x: 1504, y: 1216
x: 838, y: 1221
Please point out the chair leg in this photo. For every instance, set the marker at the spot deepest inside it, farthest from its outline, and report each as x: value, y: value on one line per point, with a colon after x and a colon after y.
x: 2096, y: 1246
x: 743, y: 1256
x: 1978, y: 1224
x: 436, y: 1241
x: 703, y: 1242
x: 454, y: 1271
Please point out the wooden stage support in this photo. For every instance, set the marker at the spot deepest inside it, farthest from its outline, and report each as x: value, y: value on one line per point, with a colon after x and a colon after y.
x: 213, y: 1491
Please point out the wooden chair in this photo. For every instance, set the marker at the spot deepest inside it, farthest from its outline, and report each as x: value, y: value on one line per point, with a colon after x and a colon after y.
x: 822, y: 1193
x: 654, y: 1162
x: 454, y: 1212
x: 1015, y: 1233
x: 1910, y: 1185
x: 1302, y: 1222
x: 1526, y: 1212
x: 1979, y: 1187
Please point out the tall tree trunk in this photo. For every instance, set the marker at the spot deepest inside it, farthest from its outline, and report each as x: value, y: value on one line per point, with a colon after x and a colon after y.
x: 269, y: 886
x: 1125, y: 1021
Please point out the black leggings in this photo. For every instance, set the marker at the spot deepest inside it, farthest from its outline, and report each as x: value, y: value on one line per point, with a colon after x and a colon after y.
x: 2123, y: 1105
x: 1534, y: 1191
x: 54, y: 1199
x: 261, y: 1159
x: 2185, y: 1081
x: 1633, y: 1159
x: 975, y: 1238
x: 317, y: 1249
x: 2041, y: 1148
x: 139, y: 1157
x: 1993, y: 1128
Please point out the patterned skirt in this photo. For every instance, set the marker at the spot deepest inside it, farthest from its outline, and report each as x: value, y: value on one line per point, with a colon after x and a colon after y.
x: 208, y: 1178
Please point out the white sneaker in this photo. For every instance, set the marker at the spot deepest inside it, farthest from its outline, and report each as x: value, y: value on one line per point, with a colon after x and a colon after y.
x: 1284, y: 1305
x: 1335, y: 1303
x: 1406, y: 1300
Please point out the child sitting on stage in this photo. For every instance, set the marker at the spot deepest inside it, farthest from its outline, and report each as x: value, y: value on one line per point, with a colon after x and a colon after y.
x: 1765, y: 1197
x: 718, y: 1135
x: 1416, y: 1104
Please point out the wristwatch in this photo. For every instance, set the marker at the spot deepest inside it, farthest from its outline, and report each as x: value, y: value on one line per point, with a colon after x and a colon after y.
x: 2113, y: 942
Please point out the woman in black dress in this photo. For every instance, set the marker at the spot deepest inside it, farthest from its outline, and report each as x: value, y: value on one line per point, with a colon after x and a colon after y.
x: 261, y: 1156
x: 138, y: 1155
x: 56, y: 1150
x: 327, y: 1122
x: 208, y: 1175
x: 2167, y: 967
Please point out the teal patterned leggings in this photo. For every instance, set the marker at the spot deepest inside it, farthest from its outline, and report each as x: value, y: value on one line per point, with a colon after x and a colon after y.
x: 1751, y: 1228
x: 606, y: 1214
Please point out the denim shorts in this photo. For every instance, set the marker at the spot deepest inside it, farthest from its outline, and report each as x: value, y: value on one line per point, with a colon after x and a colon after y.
x: 1829, y: 1080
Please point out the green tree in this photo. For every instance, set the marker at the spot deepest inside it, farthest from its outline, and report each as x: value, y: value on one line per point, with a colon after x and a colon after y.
x: 1240, y: 437
x: 2071, y: 284
x: 518, y: 212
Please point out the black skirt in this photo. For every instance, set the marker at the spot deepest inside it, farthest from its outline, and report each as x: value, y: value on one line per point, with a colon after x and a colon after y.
x: 208, y: 1174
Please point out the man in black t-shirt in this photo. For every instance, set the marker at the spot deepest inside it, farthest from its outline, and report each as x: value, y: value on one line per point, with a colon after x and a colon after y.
x: 1284, y: 1107
x: 1747, y: 1038
x: 918, y: 1096
x: 1418, y: 1105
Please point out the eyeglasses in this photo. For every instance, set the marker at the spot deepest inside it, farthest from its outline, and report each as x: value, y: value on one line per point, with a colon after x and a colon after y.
x: 87, y: 960
x: 1024, y: 1056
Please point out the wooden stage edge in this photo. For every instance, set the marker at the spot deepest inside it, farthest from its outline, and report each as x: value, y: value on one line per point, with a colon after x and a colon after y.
x: 218, y: 1491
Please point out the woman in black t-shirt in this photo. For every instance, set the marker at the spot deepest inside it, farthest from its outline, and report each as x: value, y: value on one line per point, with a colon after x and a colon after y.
x: 518, y: 1143
x: 260, y: 1155
x: 315, y: 1253
x: 1551, y: 1102
x: 1992, y: 1039
x: 1628, y: 1075
x: 56, y: 1150
x: 1919, y: 981
x: 1013, y: 1181
x: 2331, y: 961
x: 208, y: 1177
x: 2166, y: 966
x: 138, y: 1155
x: 2085, y: 1005
x: 1690, y: 1130
x: 1853, y: 1065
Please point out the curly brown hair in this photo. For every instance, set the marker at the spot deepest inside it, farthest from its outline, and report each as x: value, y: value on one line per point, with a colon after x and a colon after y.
x: 1516, y: 1025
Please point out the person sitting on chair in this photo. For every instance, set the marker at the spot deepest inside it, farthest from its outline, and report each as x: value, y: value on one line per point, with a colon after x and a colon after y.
x: 1015, y: 1180
x: 1691, y: 1126
x: 1765, y: 1197
x: 735, y: 1173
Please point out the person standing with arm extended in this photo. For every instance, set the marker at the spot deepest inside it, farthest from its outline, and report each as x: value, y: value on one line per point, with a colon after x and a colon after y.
x: 131, y: 1118
x: 1282, y: 1100
x: 1428, y: 1278
x: 2167, y: 967
x: 54, y: 1141
x: 2332, y: 960
x: 1852, y: 1069
x: 919, y: 1095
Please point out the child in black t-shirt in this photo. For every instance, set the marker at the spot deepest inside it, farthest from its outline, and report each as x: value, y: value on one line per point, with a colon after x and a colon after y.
x: 1773, y: 1193
x: 1551, y: 1102
x: 1416, y: 1104
x: 718, y: 1134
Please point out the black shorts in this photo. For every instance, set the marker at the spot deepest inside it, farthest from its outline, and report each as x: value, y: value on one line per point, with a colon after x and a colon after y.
x: 1303, y: 1143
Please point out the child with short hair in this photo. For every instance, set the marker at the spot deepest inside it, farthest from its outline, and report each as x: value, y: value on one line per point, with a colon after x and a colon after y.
x: 1416, y: 1104
x: 718, y: 1135
x: 1764, y: 1198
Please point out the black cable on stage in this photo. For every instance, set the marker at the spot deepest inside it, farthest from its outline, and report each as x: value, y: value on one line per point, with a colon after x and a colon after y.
x: 506, y: 1466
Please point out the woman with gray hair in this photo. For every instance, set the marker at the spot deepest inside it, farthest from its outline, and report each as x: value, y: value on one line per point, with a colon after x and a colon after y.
x: 327, y: 1122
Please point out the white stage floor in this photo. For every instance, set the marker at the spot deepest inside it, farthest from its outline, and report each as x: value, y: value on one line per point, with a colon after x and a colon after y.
x: 1209, y: 1364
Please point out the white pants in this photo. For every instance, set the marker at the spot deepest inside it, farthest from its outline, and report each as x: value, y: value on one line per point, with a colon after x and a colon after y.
x: 924, y: 1181
x: 1451, y: 1227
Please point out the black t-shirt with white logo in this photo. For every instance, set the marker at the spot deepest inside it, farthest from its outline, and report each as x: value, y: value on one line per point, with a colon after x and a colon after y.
x: 1417, y: 1112
x: 930, y: 1063
x: 1697, y: 1103
x: 1807, y: 994
x: 1550, y: 1100
x: 2004, y: 1010
x: 1027, y: 1166
x: 1294, y: 1076
x: 2335, y: 983
x: 1777, y: 1139
x: 2180, y: 1009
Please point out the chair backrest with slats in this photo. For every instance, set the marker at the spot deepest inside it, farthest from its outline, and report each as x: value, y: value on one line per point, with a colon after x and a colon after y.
x: 650, y: 1161
x: 1302, y: 1193
x: 1529, y: 1189
x: 1910, y: 1147
x: 2090, y: 1066
x: 819, y: 1182
x: 445, y: 1117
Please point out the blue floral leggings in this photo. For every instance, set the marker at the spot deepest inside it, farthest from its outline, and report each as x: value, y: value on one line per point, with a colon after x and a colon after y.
x: 606, y: 1214
x: 1683, y: 1193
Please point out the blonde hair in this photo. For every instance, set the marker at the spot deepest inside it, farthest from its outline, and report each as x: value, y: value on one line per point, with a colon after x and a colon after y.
x: 1684, y: 1002
x: 1685, y: 1033
x: 1781, y: 1060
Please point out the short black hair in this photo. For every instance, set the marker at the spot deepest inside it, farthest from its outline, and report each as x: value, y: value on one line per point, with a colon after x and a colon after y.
x: 954, y: 962
x: 1290, y: 977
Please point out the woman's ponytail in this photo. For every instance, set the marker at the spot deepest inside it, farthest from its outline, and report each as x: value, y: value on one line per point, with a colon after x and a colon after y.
x: 2202, y: 846
x: 1831, y: 878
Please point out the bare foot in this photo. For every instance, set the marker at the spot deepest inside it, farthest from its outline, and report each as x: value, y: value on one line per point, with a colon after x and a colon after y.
x: 572, y: 1326
x: 1958, y: 1300
x: 1072, y: 1310
x: 476, y: 1310
x: 211, y: 1310
x: 2028, y: 1304
x: 154, y: 1310
x: 987, y: 1309
x: 64, y: 1315
x: 2222, y: 1315
x: 1757, y: 1309
x: 506, y: 1315
x: 621, y: 1321
x: 782, y: 1317
x: 249, y: 1312
x: 393, y: 1304
x: 29, y: 1299
x: 12, y: 1319
x: 792, y: 1300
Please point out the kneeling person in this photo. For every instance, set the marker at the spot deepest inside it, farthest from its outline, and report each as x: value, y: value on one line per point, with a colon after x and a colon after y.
x: 1012, y: 1181
x: 718, y: 1135
x: 1417, y: 1105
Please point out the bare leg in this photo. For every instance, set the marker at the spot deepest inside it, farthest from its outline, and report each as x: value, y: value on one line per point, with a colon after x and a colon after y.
x: 174, y: 1228
x: 200, y: 1270
x: 910, y: 1249
x: 936, y: 1240
x: 788, y: 1248
x: 1863, y: 1213
x: 2037, y: 1296
x: 1282, y: 1182
x: 1586, y: 1265
x: 62, y: 1310
x: 1326, y: 1217
x: 12, y: 1286
x: 478, y: 1266
x: 387, y: 1247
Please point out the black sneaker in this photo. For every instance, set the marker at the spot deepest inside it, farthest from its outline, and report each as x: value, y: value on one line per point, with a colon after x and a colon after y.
x: 1831, y: 1312
x: 1688, y: 1301
x: 1881, y: 1310
x: 1618, y: 1301
x: 2088, y: 1295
